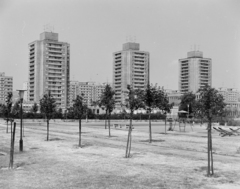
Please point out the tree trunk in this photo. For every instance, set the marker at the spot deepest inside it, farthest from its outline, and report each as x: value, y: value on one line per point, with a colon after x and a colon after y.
x: 80, y: 131
x: 150, y: 128
x: 106, y: 120
x: 11, y: 127
x: 166, y: 125
x: 12, y: 147
x: 208, y: 170
x: 128, y: 139
x: 47, y: 129
x: 23, y: 127
x: 211, y: 155
x: 7, y: 127
x: 109, y: 133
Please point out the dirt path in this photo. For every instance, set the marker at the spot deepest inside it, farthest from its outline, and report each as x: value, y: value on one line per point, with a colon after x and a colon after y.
x: 169, y: 162
x: 121, y: 142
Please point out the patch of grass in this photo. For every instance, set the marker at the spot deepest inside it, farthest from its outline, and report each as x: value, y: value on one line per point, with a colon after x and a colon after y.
x: 153, y: 140
x: 55, y: 139
x: 238, y: 150
x: 34, y: 148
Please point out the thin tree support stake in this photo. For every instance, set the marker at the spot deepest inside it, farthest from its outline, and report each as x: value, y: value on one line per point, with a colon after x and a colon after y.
x: 12, y: 147
x: 150, y: 129
x: 80, y: 131
x: 47, y: 129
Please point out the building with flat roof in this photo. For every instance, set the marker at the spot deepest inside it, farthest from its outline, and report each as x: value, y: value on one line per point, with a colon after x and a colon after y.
x: 130, y: 67
x: 49, y: 69
x: 6, y: 86
x: 194, y: 72
x: 232, y: 99
x: 26, y: 93
x: 90, y: 90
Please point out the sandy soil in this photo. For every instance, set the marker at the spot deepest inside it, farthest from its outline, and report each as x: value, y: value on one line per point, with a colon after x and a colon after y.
x: 174, y: 160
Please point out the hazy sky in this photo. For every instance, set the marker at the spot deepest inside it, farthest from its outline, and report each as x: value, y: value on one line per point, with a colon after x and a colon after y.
x: 97, y: 28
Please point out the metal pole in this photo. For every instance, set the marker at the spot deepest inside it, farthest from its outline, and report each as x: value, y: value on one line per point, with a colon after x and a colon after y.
x: 21, y: 140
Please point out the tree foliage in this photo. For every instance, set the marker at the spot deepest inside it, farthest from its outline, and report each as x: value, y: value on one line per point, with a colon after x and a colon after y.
x: 133, y: 102
x: 79, y: 108
x: 7, y: 108
x: 107, y: 100
x: 48, y: 107
x: 155, y: 98
x: 34, y: 108
x: 211, y: 103
x: 188, y: 103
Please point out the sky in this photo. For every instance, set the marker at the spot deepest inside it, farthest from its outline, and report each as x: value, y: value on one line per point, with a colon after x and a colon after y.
x: 167, y: 29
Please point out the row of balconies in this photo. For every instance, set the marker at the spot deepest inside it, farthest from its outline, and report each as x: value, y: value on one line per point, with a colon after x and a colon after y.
x: 203, y: 67
x: 55, y: 52
x: 184, y: 64
x: 204, y: 71
x: 55, y: 49
x: 138, y: 57
x: 55, y: 58
x: 139, y: 65
x: 141, y: 76
x: 140, y: 54
x: 139, y: 61
x: 54, y: 45
x: 54, y: 66
x: 138, y: 72
x: 203, y: 60
x: 204, y: 64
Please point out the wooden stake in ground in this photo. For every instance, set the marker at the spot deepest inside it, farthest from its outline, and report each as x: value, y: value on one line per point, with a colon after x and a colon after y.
x: 109, y: 129
x: 12, y: 147
x: 129, y: 139
x: 80, y: 132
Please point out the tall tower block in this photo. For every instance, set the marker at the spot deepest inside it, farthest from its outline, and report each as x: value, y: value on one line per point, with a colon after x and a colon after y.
x: 194, y: 72
x: 49, y: 69
x: 130, y: 67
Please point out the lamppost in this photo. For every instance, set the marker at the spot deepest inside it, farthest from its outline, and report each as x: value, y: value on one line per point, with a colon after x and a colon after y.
x: 21, y: 93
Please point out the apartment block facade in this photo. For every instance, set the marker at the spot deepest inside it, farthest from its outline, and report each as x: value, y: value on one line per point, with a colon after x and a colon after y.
x: 232, y: 99
x: 49, y: 69
x: 90, y: 91
x: 26, y: 92
x: 194, y: 72
x: 6, y: 86
x: 130, y: 67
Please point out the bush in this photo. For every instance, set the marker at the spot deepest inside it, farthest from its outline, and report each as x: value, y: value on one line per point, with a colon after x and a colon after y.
x: 233, y: 123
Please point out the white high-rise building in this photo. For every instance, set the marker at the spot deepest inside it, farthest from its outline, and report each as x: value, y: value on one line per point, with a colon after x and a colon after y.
x: 49, y: 69
x: 90, y: 91
x: 194, y: 72
x: 6, y: 86
x: 130, y: 67
x: 26, y: 93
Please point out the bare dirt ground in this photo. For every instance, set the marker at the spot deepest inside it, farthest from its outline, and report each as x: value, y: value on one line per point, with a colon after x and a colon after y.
x: 173, y: 160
